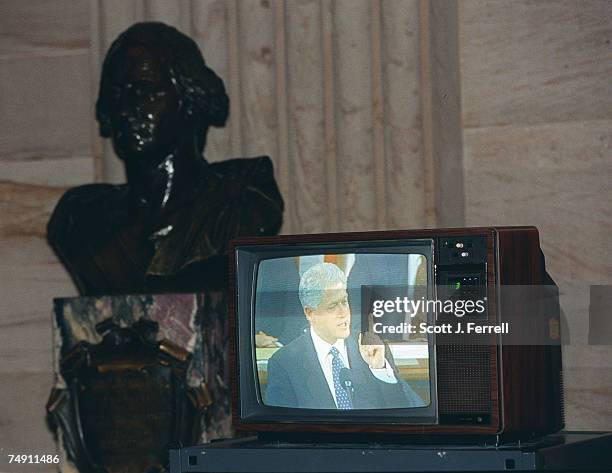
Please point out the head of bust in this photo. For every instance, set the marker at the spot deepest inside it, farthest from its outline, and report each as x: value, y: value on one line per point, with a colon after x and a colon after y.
x: 157, y: 92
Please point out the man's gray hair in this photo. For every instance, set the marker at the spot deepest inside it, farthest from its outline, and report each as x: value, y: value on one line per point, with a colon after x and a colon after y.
x: 316, y: 280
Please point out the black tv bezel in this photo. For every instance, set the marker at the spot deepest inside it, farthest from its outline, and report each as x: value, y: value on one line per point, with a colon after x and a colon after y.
x: 251, y: 408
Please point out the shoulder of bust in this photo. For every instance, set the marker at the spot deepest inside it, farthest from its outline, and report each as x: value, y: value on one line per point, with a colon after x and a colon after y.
x: 258, y: 168
x: 83, y: 210
x: 91, y: 193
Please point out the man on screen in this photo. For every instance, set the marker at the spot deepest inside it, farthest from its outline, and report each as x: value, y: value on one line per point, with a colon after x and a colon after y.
x: 327, y: 367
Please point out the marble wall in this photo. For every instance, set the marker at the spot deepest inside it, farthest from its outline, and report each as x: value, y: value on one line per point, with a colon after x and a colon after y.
x: 45, y: 147
x: 536, y: 108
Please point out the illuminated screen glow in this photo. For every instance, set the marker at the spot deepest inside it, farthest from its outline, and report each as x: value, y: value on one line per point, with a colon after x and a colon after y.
x: 309, y: 346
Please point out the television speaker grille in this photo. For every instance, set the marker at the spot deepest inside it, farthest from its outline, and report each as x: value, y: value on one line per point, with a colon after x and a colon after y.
x: 464, y: 377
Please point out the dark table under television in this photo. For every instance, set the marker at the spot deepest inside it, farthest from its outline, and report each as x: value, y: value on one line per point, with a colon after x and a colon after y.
x: 562, y: 452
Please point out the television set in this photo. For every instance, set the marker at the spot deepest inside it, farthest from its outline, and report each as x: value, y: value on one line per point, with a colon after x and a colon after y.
x: 367, y: 333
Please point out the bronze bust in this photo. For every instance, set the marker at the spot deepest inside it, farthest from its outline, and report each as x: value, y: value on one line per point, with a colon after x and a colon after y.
x: 167, y: 229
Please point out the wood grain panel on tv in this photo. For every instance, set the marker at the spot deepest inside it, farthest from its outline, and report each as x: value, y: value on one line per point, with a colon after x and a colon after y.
x: 531, y: 374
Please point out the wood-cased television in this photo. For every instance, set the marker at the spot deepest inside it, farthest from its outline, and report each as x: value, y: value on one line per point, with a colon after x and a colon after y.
x: 345, y: 334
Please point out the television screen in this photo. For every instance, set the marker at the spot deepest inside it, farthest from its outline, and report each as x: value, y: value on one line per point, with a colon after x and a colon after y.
x: 320, y: 340
x: 398, y: 332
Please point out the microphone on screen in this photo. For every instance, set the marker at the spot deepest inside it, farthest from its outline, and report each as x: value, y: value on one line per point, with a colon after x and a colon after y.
x: 346, y: 381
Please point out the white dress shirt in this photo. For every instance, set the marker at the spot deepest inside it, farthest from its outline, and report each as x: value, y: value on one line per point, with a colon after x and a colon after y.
x: 322, y: 348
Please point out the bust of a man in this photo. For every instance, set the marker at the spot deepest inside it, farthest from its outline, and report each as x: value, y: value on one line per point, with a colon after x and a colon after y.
x: 167, y: 228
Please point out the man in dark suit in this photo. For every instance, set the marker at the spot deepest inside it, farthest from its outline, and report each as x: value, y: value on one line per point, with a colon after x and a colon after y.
x: 327, y: 367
